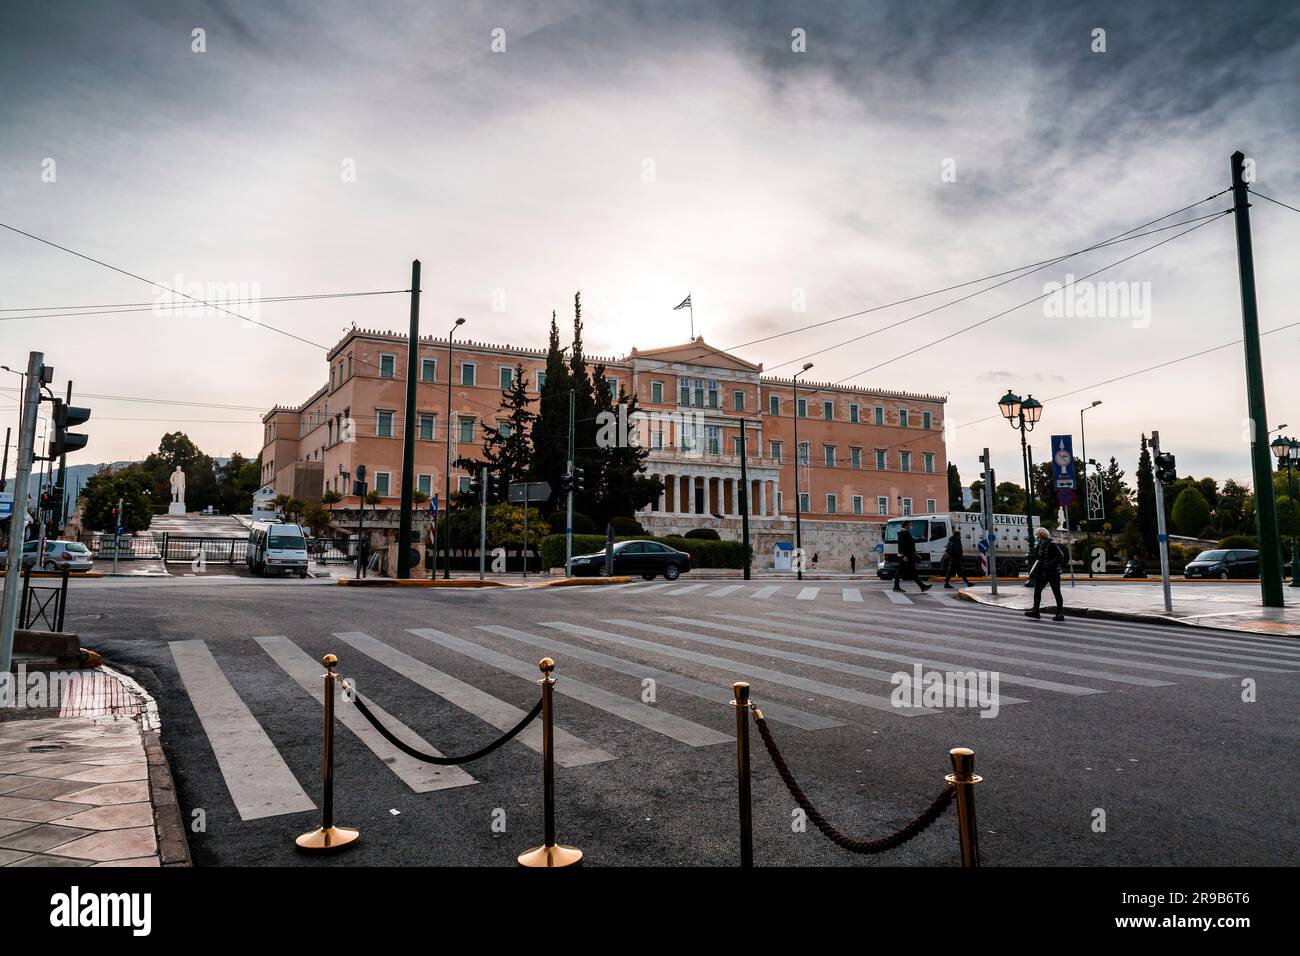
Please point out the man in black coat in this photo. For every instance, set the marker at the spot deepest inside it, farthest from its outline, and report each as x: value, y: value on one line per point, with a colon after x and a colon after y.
x: 952, y: 557
x: 907, y: 559
x: 1046, y: 571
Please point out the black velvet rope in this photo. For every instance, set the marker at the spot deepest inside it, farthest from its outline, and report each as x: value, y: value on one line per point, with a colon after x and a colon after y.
x: 445, y: 761
x: 895, y: 839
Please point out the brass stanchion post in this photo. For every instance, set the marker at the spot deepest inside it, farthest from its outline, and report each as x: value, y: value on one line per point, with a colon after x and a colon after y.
x: 549, y: 854
x: 743, y: 706
x: 963, y: 778
x: 328, y: 837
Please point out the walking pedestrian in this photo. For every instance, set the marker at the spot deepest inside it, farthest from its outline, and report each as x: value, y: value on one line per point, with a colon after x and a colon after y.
x: 1046, y: 572
x: 853, y: 564
x: 952, y: 559
x: 814, y: 559
x: 907, y: 559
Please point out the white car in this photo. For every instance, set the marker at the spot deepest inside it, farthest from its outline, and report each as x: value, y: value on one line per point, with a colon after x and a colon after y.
x: 72, y: 555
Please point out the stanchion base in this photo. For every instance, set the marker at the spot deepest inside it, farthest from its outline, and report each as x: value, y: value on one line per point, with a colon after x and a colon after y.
x: 321, y: 840
x: 551, y: 856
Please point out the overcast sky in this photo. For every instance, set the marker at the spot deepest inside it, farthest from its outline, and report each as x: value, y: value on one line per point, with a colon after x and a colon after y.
x: 640, y: 151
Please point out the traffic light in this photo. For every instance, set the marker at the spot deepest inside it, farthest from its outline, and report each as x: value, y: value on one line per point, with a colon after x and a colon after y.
x: 566, y: 483
x: 359, y: 485
x: 65, y: 417
x: 579, y: 479
x: 493, y: 488
x: 47, y: 501
x: 1165, y: 469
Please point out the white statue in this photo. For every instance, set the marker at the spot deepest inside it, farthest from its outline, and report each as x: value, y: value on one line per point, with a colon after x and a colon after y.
x: 177, y: 481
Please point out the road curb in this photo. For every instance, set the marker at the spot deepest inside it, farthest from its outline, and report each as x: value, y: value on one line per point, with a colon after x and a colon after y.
x: 1134, y: 617
x: 418, y: 583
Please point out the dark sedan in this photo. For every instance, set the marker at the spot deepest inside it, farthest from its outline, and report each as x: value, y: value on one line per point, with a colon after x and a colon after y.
x: 646, y: 558
x: 1223, y: 564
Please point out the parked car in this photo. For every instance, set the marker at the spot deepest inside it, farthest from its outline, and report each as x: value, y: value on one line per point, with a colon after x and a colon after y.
x: 1135, y: 568
x: 646, y: 558
x: 1223, y: 564
x: 59, y: 554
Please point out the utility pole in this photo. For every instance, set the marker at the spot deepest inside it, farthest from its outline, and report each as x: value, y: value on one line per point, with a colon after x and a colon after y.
x: 117, y: 526
x: 744, y: 497
x: 990, y: 536
x: 1162, y: 536
x: 29, y: 405
x: 408, y: 428
x: 4, y: 462
x: 568, y: 520
x: 359, y: 488
x: 482, y: 521
x: 1270, y: 544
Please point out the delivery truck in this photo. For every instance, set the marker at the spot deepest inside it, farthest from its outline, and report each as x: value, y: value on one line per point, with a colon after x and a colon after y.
x: 931, y: 533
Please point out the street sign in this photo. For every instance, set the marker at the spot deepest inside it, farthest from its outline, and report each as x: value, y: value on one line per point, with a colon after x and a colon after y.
x: 521, y: 491
x: 6, y: 504
x: 1063, y: 462
x: 1065, y: 497
x: 880, y: 548
x: 983, y: 546
x: 433, y: 506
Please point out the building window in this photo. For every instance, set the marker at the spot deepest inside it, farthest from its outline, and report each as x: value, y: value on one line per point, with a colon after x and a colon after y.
x: 780, y: 501
x: 803, y: 502
x: 383, y: 424
x: 830, y: 504
x: 775, y: 447
x: 713, y: 434
x: 503, y: 427
x: 774, y: 404
x: 853, y: 412
x: 657, y: 437
x: 428, y: 426
x: 880, y: 415
x: 880, y: 459
x: 684, y: 392
x: 828, y: 411
x: 349, y: 365
x: 738, y: 401
x: 855, y: 457
x: 428, y: 370
x: 857, y: 504
x: 713, y: 394
x: 882, y: 505
x: 424, y: 483
x: 803, y: 408
x: 902, y: 418
x: 507, y: 375
x: 383, y: 483
x: 466, y: 425
x: 468, y: 373
x: 463, y: 484
x: 925, y: 420
x: 801, y: 453
x: 930, y: 506
x: 929, y: 463
x: 828, y: 453
x: 387, y: 365
x: 907, y: 507
x: 541, y: 380
x: 657, y: 392
x: 905, y: 461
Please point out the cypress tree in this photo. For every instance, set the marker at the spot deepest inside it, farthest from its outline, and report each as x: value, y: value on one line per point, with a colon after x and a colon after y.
x: 1146, y: 501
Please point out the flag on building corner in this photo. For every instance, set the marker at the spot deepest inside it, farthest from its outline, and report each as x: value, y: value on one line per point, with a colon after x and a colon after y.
x: 686, y: 304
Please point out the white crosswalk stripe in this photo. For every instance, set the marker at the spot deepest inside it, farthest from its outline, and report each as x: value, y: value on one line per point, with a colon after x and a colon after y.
x: 259, y: 781
x: 852, y: 595
x: 570, y: 751
x: 724, y: 591
x: 420, y: 777
x: 898, y: 597
x: 765, y: 592
x: 808, y: 594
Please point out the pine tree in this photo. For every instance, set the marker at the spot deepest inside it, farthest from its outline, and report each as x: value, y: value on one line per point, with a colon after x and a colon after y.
x: 550, y: 432
x: 616, y: 484
x: 954, y: 489
x: 1146, y: 501
x: 507, y: 448
x: 585, y: 453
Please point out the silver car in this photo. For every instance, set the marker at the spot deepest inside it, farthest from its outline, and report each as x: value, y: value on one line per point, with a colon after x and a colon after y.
x: 72, y: 555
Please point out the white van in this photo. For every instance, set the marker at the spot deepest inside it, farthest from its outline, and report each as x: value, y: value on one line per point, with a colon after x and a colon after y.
x: 276, y: 547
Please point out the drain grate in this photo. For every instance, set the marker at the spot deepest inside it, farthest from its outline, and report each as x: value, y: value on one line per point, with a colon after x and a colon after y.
x: 44, y: 748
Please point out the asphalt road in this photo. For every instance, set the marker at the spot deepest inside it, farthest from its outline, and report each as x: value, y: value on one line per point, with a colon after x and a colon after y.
x: 1144, y: 724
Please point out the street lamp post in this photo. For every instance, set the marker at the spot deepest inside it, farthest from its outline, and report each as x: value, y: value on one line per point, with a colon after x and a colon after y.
x: 1288, y: 450
x: 1087, y: 497
x: 446, y: 504
x: 1023, y: 415
x: 798, y: 501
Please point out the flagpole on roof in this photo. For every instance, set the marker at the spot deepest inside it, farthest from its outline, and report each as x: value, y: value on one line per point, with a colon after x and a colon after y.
x: 691, y: 300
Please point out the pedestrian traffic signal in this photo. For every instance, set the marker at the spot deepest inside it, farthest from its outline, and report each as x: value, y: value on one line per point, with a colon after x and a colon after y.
x: 65, y: 417
x: 1165, y: 469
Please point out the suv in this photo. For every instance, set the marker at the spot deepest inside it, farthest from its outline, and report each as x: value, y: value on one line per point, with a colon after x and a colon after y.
x: 1224, y: 564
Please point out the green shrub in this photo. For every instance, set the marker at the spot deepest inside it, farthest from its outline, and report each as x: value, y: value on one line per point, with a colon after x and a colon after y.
x: 1238, y: 541
x: 704, y: 534
x: 627, y: 527
x: 581, y: 523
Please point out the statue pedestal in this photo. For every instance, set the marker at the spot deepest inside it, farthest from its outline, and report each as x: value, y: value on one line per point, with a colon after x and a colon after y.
x: 176, y: 508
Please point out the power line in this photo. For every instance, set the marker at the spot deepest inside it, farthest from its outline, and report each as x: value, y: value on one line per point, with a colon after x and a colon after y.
x: 157, y: 306
x: 1274, y: 201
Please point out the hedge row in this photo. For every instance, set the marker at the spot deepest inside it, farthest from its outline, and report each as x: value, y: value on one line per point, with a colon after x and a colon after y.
x: 704, y: 554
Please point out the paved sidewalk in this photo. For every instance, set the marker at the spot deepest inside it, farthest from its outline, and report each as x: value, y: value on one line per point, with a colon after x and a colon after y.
x: 1227, y: 606
x: 91, y: 786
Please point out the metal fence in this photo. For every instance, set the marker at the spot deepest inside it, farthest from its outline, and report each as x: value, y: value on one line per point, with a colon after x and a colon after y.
x: 43, y: 603
x: 128, y: 547
x: 330, y: 551
x: 190, y: 548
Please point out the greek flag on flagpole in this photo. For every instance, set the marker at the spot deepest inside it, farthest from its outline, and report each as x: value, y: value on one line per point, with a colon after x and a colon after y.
x: 686, y: 304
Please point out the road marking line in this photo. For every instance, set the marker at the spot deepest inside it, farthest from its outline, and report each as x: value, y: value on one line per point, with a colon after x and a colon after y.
x: 807, y: 594
x: 689, y: 588
x: 420, y: 777
x: 776, y: 677
x: 259, y: 781
x: 570, y: 751
x: 660, y: 721
x: 852, y: 595
x: 723, y: 592
x: 714, y: 693
x: 898, y: 597
x: 766, y: 592
x: 651, y: 587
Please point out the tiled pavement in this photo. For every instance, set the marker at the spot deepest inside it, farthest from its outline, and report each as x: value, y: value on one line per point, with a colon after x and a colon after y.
x: 75, y: 790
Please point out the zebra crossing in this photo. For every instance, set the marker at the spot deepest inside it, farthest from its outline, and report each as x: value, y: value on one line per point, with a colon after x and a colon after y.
x: 798, y: 591
x: 828, y: 662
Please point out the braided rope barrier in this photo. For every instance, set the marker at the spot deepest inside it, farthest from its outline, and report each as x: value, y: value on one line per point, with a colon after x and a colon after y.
x: 446, y: 761
x: 844, y: 842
